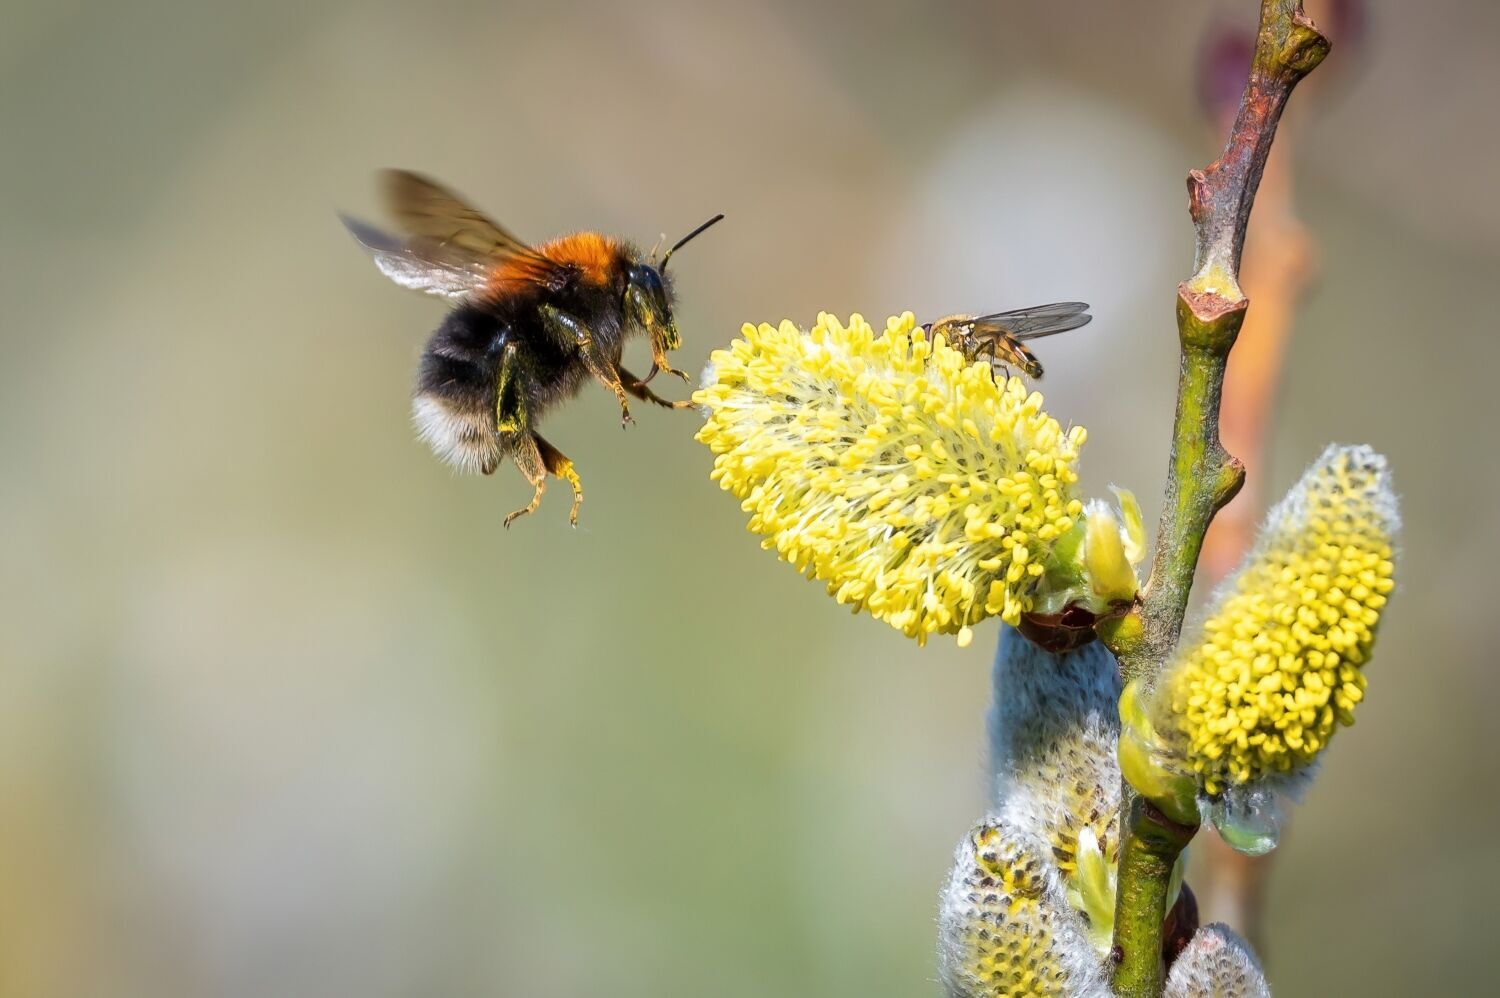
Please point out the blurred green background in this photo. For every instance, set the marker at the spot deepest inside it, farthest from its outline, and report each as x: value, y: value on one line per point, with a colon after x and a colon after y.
x: 283, y: 711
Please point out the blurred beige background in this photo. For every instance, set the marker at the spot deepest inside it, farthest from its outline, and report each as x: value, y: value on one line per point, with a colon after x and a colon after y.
x: 283, y: 711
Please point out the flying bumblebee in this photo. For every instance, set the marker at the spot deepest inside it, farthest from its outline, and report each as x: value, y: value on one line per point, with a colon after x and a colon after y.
x: 530, y: 325
x: 1002, y: 336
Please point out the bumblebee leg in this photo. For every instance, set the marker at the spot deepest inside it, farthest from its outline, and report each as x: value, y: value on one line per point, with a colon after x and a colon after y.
x: 528, y: 457
x: 557, y: 463
x: 659, y: 361
x: 637, y: 387
x: 510, y: 409
x: 565, y: 325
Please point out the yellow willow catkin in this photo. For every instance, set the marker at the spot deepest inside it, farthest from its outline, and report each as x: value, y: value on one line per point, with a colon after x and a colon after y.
x: 890, y: 467
x: 1278, y: 666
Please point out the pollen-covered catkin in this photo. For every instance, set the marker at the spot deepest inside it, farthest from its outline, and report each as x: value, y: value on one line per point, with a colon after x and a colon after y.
x: 889, y: 467
x: 1279, y: 665
x: 1005, y: 927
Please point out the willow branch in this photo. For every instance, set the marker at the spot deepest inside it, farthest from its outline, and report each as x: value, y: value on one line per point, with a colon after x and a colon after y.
x: 1279, y: 260
x: 1201, y: 476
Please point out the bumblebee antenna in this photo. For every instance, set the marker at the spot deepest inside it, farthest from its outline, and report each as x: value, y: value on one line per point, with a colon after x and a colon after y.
x: 688, y: 238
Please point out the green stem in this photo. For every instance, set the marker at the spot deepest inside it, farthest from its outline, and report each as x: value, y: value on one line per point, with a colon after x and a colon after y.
x: 1201, y: 476
x: 1201, y: 479
x: 1147, y: 855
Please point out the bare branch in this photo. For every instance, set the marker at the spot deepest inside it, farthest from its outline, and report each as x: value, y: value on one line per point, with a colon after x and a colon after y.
x: 1287, y: 48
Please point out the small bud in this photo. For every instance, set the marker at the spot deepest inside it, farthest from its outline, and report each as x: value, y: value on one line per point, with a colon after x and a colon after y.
x: 1133, y: 524
x: 1091, y: 890
x: 1093, y: 567
x: 1147, y: 762
x: 1216, y: 964
x: 1182, y: 919
x: 1111, y: 576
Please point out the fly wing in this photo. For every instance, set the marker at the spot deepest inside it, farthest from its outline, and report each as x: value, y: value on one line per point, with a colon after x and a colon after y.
x: 423, y: 264
x: 1031, y: 323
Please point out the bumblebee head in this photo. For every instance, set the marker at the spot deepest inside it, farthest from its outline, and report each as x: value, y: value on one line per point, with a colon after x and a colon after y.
x: 648, y: 304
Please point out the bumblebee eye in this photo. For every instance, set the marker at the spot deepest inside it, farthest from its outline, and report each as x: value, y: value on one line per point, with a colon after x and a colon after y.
x: 645, y: 277
x: 644, y: 281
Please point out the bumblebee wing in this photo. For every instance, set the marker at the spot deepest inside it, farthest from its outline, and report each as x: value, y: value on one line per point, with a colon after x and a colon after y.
x: 423, y: 264
x: 427, y: 209
x: 1030, y: 323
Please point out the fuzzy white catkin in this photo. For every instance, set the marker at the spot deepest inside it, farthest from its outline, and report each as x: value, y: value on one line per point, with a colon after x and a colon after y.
x: 1217, y: 963
x: 1053, y: 731
x: 1007, y: 926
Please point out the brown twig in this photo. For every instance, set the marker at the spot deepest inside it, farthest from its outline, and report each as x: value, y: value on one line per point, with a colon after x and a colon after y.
x: 1278, y: 264
x: 1202, y: 476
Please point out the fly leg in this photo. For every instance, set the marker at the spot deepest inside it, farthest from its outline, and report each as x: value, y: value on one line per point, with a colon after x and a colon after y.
x: 987, y: 346
x: 639, y: 389
x: 558, y: 464
x: 569, y: 327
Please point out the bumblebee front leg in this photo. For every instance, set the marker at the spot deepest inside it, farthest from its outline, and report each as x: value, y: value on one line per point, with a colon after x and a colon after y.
x: 659, y: 361
x: 566, y: 326
x: 640, y: 390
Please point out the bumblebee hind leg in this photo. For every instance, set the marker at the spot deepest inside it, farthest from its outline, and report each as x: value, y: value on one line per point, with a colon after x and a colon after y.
x: 515, y: 438
x: 528, y: 458
x: 558, y: 464
x: 537, y: 458
x: 533, y: 455
x: 510, y: 409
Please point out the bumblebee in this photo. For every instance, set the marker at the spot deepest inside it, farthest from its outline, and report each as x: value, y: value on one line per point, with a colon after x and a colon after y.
x: 1001, y: 336
x: 530, y: 325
